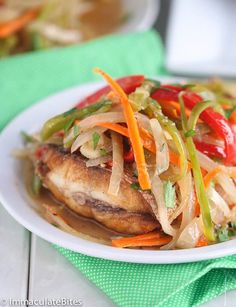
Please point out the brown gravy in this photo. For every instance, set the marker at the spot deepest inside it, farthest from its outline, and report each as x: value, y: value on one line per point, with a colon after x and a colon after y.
x: 71, y: 222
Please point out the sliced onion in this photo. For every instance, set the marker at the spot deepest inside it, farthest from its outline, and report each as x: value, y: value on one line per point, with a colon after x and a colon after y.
x: 88, y: 150
x: 233, y: 214
x: 84, y: 137
x: 207, y: 95
x: 228, y: 185
x: 93, y: 120
x: 117, y: 164
x: 190, y: 235
x: 98, y: 161
x: 222, y: 179
x: 223, y: 194
x: 186, y: 207
x: 55, y: 33
x: 143, y: 121
x: 159, y: 208
x: 219, y: 209
x: 162, y: 150
x: 187, y: 204
x: 206, y: 162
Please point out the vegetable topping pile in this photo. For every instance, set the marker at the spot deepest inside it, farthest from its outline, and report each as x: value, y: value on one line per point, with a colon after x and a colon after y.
x: 179, y: 141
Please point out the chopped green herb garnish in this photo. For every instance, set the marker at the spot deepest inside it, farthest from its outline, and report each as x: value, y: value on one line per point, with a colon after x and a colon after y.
x: 27, y: 138
x: 96, y: 138
x: 169, y: 193
x: 103, y: 152
x: 228, y: 112
x: 76, y: 130
x: 223, y: 234
x: 189, y: 133
x: 135, y: 186
x: 232, y: 225
x: 36, y: 185
x: 135, y: 174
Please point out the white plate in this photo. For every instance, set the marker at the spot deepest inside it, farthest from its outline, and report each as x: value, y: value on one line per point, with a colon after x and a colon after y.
x: 14, y: 198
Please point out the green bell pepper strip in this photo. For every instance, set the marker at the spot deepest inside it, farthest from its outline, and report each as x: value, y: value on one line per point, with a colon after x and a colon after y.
x: 58, y: 122
x: 199, y: 184
x: 196, y: 111
x: 155, y: 109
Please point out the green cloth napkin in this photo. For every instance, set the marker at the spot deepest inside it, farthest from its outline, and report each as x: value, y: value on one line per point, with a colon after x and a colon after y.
x: 26, y: 79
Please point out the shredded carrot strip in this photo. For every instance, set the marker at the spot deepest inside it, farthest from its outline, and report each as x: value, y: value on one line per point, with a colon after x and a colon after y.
x: 203, y: 171
x: 197, y: 208
x: 209, y: 176
x: 134, y: 134
x: 148, y: 141
x: 115, y: 127
x: 147, y: 236
x: 207, y: 179
x: 149, y: 239
x: 18, y: 23
x: 175, y: 159
x: 170, y: 111
x: 174, y: 106
x: 202, y: 242
x: 146, y: 137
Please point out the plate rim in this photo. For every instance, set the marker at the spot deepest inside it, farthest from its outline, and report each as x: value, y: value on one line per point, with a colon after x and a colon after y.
x: 93, y: 249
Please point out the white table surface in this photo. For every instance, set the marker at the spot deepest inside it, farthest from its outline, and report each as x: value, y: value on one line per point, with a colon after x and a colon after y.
x: 32, y: 269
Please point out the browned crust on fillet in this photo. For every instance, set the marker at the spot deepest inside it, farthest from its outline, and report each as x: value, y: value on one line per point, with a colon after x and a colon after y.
x: 84, y: 190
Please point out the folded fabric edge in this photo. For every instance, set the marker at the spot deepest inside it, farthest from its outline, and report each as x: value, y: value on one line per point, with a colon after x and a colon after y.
x: 215, y: 264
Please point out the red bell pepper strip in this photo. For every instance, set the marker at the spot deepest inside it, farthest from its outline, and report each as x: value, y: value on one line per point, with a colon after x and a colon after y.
x: 128, y: 84
x: 218, y: 123
x: 129, y: 155
x: 177, y: 88
x: 215, y: 120
x: 210, y: 150
x: 128, y: 151
x: 163, y: 94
